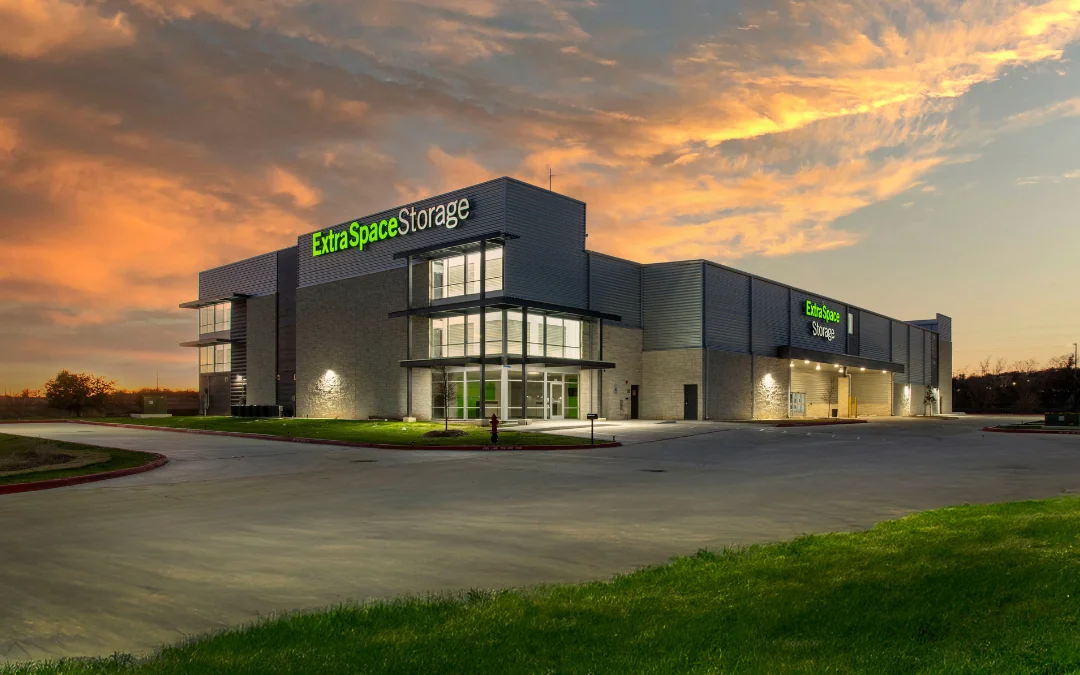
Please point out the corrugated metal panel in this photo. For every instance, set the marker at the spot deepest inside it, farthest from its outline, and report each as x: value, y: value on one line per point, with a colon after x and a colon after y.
x: 944, y: 327
x: 771, y: 317
x: 672, y: 305
x: 899, y: 347
x: 487, y: 214
x: 821, y: 389
x: 930, y: 362
x: 615, y: 287
x: 238, y: 332
x: 547, y: 262
x: 918, y: 360
x: 873, y: 336
x: 727, y: 309
x: 871, y: 389
x: 254, y: 276
x: 286, y: 329
x: 801, y: 333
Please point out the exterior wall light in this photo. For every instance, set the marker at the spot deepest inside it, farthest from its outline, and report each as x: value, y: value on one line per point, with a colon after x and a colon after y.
x: 806, y: 361
x: 768, y: 380
x: 818, y: 367
x: 862, y: 369
x: 792, y: 365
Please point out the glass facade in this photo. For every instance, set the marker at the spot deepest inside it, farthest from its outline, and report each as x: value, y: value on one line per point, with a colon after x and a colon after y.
x: 215, y: 359
x: 551, y: 394
x: 557, y: 337
x: 213, y: 318
x: 460, y: 274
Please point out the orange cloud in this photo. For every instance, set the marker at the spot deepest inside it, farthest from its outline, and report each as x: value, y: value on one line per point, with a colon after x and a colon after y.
x: 31, y: 29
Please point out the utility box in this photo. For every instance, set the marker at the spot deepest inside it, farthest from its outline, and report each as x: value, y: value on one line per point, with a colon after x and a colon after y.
x: 1062, y: 420
x: 154, y: 405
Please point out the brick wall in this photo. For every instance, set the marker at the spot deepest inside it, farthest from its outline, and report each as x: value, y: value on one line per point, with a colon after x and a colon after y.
x: 623, y: 347
x: 663, y: 374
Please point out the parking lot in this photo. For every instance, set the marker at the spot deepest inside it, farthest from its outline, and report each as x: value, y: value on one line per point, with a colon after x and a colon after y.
x: 233, y: 529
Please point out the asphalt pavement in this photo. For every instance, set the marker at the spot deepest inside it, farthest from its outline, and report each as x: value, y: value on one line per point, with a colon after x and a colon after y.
x: 234, y: 529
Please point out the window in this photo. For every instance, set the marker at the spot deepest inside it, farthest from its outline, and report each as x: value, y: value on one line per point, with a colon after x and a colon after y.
x: 213, y: 318
x: 850, y: 323
x: 460, y: 335
x: 460, y: 275
x: 215, y: 359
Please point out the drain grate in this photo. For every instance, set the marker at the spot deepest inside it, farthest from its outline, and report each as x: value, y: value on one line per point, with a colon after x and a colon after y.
x: 655, y: 470
x: 363, y: 461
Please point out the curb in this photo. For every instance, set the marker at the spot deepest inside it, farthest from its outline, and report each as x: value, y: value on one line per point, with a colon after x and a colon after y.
x: 823, y: 423
x: 156, y: 463
x: 352, y: 444
x: 33, y: 421
x: 1001, y: 430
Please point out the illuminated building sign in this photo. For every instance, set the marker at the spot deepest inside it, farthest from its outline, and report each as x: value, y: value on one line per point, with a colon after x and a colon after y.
x: 408, y: 220
x: 822, y: 312
x: 818, y: 330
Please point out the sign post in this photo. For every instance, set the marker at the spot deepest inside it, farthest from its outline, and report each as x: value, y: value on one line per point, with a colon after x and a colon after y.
x: 592, y: 427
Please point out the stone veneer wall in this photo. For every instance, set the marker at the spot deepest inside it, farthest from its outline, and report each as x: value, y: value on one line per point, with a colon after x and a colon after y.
x: 663, y: 374
x: 262, y: 350
x: 945, y: 375
x: 348, y: 351
x: 729, y: 385
x: 772, y: 379
x: 623, y: 347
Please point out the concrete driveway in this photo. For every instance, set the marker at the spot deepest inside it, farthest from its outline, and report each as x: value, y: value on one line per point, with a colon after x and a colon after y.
x: 233, y: 529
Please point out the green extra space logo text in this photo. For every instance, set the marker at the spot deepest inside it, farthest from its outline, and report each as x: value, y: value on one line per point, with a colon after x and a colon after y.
x: 821, y: 312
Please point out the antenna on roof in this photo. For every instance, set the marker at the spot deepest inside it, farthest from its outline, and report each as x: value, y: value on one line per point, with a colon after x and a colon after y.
x: 550, y: 176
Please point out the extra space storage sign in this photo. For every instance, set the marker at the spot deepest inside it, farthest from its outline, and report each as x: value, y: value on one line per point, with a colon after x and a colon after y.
x: 408, y: 220
x: 823, y: 329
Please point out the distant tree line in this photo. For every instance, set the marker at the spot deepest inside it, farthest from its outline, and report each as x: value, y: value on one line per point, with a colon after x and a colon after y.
x: 1020, y: 387
x: 85, y: 394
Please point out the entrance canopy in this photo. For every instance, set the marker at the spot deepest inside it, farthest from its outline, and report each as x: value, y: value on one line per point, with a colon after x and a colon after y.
x: 801, y: 354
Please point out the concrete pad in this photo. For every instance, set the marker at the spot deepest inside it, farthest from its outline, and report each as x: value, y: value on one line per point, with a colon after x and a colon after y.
x: 232, y: 529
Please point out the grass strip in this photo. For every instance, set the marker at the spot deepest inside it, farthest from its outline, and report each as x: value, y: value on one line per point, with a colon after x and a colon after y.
x: 972, y: 589
x: 357, y: 431
x: 118, y: 459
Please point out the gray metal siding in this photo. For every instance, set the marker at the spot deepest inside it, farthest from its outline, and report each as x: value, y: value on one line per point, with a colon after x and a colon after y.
x: 615, y: 287
x: 899, y: 348
x: 239, y: 334
x: 944, y: 327
x: 771, y: 317
x: 801, y: 334
x: 727, y: 309
x: 254, y: 276
x: 547, y: 262
x: 873, y: 336
x: 929, y: 358
x: 917, y: 366
x: 672, y: 305
x: 487, y: 214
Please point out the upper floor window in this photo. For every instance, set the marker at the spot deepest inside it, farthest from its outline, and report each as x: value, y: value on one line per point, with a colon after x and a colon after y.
x: 215, y: 359
x: 460, y: 274
x: 213, y: 318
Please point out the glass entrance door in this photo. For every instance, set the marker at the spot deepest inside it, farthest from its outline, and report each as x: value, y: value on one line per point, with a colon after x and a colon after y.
x: 556, y: 401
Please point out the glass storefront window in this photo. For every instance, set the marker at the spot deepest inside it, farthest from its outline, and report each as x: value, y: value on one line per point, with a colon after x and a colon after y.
x: 213, y: 318
x: 460, y: 275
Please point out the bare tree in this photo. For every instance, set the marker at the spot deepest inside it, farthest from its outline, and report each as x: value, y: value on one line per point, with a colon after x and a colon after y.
x: 444, y: 390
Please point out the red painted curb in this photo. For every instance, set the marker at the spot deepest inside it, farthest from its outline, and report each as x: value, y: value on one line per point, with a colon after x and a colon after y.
x: 1031, y: 431
x: 351, y: 444
x: 823, y: 423
x: 158, y: 462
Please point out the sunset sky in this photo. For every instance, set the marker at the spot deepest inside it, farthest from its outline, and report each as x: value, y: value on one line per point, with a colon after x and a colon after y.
x: 908, y: 157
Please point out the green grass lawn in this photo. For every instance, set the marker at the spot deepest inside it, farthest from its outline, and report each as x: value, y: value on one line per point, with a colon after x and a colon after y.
x: 361, y: 431
x: 972, y: 589
x: 119, y: 459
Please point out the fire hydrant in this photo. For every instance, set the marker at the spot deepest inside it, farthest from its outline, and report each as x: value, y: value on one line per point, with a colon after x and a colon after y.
x: 494, y: 428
